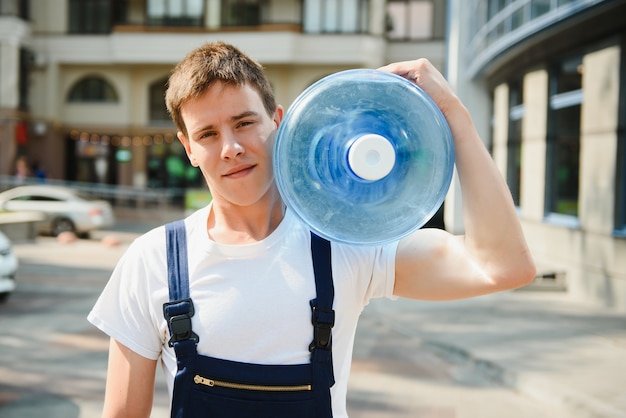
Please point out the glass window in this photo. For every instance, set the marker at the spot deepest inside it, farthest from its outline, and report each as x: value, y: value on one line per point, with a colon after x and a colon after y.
x: 243, y: 12
x: 336, y: 16
x: 539, y: 7
x: 563, y: 156
x: 158, y: 110
x: 409, y: 19
x: 620, y: 195
x: 514, y: 144
x: 90, y: 16
x: 26, y: 59
x: 175, y: 12
x: 92, y: 89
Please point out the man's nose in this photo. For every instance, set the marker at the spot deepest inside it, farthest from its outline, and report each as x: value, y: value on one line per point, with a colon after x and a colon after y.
x: 231, y: 146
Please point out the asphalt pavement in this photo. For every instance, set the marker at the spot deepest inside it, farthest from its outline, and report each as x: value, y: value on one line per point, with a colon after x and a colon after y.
x: 525, y: 353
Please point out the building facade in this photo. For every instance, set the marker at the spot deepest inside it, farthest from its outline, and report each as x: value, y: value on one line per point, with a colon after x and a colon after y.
x: 83, y: 81
x: 545, y: 81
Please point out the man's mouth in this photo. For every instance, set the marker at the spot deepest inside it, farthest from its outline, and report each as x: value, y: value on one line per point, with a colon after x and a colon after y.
x: 239, y: 171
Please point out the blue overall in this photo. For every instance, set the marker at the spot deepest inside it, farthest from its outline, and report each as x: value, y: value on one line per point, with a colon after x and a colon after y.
x: 210, y: 387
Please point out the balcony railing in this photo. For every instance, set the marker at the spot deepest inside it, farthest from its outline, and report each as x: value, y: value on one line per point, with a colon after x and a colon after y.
x: 311, y: 16
x: 495, y: 29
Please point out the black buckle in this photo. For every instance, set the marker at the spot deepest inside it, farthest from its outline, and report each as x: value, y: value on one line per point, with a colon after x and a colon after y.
x: 178, y: 316
x: 323, y: 321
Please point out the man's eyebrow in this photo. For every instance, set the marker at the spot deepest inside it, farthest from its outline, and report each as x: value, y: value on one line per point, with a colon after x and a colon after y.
x: 243, y: 115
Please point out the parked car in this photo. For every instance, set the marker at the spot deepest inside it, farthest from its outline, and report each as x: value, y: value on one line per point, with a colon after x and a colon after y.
x: 8, y: 267
x: 63, y: 208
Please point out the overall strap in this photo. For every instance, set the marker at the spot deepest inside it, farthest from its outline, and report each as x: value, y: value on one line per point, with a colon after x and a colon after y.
x: 179, y: 310
x: 323, y: 315
x: 177, y: 263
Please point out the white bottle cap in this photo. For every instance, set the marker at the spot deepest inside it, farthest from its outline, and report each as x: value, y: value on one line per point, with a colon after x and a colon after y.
x: 371, y: 157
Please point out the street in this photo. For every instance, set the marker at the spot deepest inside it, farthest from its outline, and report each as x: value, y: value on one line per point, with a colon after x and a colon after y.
x: 53, y: 362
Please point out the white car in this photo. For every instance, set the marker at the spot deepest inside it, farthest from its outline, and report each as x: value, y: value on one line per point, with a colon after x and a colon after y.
x: 8, y: 267
x: 63, y: 208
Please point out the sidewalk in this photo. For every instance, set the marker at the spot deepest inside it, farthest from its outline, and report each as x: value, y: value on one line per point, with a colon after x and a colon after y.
x: 565, y: 353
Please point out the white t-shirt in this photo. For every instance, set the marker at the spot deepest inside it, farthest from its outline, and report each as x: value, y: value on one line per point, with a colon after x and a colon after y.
x: 251, y: 301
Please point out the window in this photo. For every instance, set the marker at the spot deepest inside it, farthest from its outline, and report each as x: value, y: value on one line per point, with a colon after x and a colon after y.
x: 514, y: 144
x: 620, y: 191
x: 95, y: 16
x: 158, y: 110
x: 539, y: 8
x: 242, y: 12
x: 176, y: 12
x: 409, y: 19
x: 564, y: 137
x: 92, y: 90
x: 336, y: 16
x: 26, y: 59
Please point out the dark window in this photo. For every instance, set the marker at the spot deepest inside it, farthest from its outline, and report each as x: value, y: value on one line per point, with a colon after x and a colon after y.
x: 92, y: 89
x: 514, y: 144
x: 563, y: 155
x: 620, y: 192
x: 38, y: 198
x: 158, y: 110
x: 26, y: 58
x: 95, y: 16
x: 168, y: 167
x: 242, y: 12
x: 176, y: 12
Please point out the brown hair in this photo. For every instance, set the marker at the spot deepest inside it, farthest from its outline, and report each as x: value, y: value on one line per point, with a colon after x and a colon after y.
x: 212, y: 62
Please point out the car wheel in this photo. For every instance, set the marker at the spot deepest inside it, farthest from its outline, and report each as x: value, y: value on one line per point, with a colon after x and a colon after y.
x: 62, y: 225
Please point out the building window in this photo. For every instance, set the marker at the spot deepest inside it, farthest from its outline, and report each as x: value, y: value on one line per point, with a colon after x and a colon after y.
x: 514, y: 144
x: 95, y: 16
x: 175, y: 13
x: 92, y: 89
x: 409, y: 19
x: 563, y: 156
x: 620, y: 191
x: 26, y: 59
x: 158, y: 110
x: 243, y: 12
x: 336, y: 16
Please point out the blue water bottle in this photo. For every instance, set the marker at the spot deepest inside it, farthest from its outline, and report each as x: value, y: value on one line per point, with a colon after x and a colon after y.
x: 363, y: 157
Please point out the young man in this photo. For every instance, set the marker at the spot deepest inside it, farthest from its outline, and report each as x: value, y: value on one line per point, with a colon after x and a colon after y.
x: 252, y: 282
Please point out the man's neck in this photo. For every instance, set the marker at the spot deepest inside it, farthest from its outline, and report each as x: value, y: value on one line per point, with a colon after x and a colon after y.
x: 233, y: 225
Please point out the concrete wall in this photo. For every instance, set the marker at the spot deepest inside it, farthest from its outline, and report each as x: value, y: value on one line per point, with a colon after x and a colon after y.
x: 593, y: 259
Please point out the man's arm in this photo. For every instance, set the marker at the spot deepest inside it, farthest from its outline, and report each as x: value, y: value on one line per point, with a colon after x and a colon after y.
x: 130, y: 383
x: 492, y: 255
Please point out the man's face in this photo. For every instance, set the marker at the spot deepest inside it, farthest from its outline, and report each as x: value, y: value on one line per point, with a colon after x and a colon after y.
x: 231, y: 137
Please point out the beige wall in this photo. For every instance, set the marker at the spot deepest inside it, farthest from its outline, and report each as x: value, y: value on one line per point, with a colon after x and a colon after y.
x: 49, y: 16
x: 534, y: 133
x: 594, y: 261
x: 501, y: 126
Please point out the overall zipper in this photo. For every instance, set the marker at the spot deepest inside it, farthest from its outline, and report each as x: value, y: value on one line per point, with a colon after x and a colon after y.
x: 199, y: 380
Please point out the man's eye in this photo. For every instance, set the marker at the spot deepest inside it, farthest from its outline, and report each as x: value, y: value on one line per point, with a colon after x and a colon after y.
x: 206, y: 135
x: 244, y: 123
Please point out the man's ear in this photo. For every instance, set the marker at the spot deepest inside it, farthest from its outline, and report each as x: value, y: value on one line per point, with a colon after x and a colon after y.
x: 278, y: 115
x: 183, y: 140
